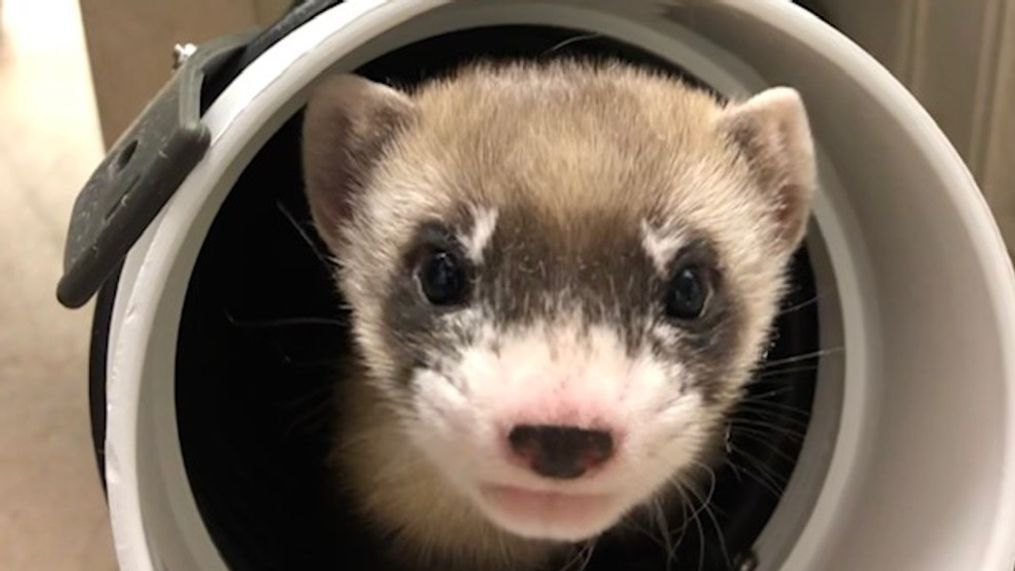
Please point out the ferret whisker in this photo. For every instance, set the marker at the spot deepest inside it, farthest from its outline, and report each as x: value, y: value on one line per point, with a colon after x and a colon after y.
x: 712, y: 482
x: 590, y: 551
x: 780, y: 416
x: 738, y: 422
x: 582, y: 556
x: 803, y: 304
x: 734, y: 467
x: 684, y: 511
x: 775, y: 449
x: 758, y: 421
x: 686, y: 507
x: 695, y: 512
x: 664, y: 529
x: 666, y: 542
x: 634, y: 523
x: 746, y: 470
x: 573, y: 39
x: 311, y: 363
x: 774, y: 392
x: 304, y: 398
x: 325, y: 260
x: 314, y: 417
x: 756, y: 431
x: 312, y: 421
x: 762, y: 468
x: 701, y: 539
x: 706, y: 502
x: 573, y: 559
x: 802, y: 357
x: 285, y: 322
x: 775, y: 373
x: 774, y: 405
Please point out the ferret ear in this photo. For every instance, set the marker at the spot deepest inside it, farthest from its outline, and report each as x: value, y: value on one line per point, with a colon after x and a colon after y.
x: 346, y: 125
x: 772, y: 132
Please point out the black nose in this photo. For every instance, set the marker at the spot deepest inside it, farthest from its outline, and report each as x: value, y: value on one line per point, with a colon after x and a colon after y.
x: 561, y: 452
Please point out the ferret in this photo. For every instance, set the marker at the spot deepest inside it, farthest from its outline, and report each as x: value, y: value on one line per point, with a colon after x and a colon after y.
x: 560, y: 276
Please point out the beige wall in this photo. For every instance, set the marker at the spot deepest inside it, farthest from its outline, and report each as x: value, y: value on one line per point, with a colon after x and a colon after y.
x: 958, y: 59
x: 130, y: 44
x: 998, y: 154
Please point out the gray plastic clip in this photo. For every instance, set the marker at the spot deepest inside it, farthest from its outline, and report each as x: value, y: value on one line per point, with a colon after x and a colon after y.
x: 140, y: 173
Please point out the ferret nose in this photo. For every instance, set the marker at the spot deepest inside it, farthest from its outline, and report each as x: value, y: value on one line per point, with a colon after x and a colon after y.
x: 560, y: 452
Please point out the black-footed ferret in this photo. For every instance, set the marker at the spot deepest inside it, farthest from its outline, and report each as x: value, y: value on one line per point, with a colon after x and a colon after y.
x: 561, y: 276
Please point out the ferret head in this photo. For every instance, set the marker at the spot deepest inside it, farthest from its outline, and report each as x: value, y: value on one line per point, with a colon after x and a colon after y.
x: 561, y: 275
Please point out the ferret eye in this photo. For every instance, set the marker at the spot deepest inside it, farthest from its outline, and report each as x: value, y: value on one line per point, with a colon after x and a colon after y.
x: 442, y: 278
x: 687, y: 294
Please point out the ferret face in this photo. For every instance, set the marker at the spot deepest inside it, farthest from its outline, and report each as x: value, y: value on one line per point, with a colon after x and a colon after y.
x: 561, y: 276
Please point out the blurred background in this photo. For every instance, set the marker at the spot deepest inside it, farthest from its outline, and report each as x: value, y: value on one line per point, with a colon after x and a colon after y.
x: 51, y: 510
x: 73, y: 75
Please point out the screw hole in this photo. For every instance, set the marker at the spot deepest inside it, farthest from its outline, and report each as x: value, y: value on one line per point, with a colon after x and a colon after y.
x: 125, y: 155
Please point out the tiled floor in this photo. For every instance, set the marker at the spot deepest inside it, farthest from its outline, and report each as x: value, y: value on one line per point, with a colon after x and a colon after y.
x: 52, y: 515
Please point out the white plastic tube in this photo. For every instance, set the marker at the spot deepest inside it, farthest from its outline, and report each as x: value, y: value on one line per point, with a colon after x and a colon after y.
x: 910, y: 459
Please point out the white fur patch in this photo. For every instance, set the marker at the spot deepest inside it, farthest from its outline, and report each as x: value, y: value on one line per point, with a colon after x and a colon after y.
x: 561, y: 373
x: 475, y: 243
x: 661, y: 245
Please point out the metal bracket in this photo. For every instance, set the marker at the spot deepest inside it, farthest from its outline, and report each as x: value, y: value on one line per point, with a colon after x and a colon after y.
x: 140, y: 173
